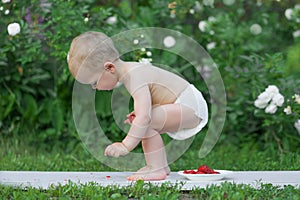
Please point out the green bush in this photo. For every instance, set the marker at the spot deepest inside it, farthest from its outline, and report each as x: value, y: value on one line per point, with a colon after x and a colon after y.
x: 254, y: 44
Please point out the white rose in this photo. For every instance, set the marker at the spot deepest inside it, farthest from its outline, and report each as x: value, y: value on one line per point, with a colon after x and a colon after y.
x: 265, y: 96
x: 288, y: 110
x: 272, y: 90
x: 212, y: 19
x: 297, y: 125
x: 288, y: 13
x: 260, y: 103
x: 145, y: 60
x: 272, y: 108
x: 5, y: 1
x: 208, y: 3
x: 169, y: 41
x: 111, y: 20
x: 296, y: 34
x: 211, y: 45
x: 13, y: 29
x: 278, y: 99
x: 297, y: 98
x: 202, y: 26
x: 255, y: 29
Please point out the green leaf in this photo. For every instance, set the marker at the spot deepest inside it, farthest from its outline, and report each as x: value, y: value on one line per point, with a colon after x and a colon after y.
x: 6, y: 103
x: 126, y: 8
x: 57, y: 116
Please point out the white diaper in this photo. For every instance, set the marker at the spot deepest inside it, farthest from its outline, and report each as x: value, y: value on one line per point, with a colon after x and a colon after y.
x: 192, y: 98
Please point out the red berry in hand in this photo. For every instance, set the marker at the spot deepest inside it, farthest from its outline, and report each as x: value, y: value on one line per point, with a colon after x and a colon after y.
x: 131, y: 118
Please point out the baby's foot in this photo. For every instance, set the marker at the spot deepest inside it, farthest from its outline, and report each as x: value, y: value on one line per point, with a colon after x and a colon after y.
x: 148, y: 175
x: 147, y: 169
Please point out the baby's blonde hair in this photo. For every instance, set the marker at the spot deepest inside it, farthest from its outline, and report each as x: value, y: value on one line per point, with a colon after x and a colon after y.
x: 90, y: 51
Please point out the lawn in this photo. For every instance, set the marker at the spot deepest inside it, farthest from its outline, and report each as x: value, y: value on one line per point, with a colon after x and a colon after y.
x: 19, y: 155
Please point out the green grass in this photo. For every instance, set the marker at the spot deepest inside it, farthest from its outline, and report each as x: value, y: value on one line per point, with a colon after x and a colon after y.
x: 141, y: 190
x: 17, y: 154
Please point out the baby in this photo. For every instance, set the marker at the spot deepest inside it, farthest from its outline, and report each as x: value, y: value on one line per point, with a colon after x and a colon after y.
x: 163, y: 101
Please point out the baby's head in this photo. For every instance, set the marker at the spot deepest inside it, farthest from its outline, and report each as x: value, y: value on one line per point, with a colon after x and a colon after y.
x: 88, y: 52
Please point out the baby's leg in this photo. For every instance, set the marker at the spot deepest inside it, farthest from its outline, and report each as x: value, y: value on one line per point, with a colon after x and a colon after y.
x: 150, y: 150
x: 155, y: 157
x: 166, y: 118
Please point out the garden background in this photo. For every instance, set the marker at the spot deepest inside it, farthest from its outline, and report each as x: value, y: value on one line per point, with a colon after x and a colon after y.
x: 255, y: 44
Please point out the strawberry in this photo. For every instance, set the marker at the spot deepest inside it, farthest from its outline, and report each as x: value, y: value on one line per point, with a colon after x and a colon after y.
x: 189, y: 172
x: 131, y: 117
x: 205, y: 169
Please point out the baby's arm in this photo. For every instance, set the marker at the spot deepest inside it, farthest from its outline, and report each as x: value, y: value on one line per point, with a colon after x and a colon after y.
x: 141, y: 122
x: 139, y: 126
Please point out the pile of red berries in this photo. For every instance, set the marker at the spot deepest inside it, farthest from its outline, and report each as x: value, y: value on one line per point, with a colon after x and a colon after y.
x: 203, y: 169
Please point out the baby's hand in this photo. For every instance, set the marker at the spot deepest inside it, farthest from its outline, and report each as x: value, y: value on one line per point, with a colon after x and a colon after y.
x: 116, y: 149
x: 130, y: 118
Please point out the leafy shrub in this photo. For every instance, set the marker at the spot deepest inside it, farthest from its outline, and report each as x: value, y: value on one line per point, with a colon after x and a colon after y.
x: 243, y: 38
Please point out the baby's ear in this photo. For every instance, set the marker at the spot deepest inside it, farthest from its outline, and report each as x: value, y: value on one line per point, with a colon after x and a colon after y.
x: 109, y: 66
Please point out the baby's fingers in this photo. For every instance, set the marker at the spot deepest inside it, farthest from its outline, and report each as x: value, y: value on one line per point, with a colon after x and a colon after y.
x: 110, y: 151
x: 127, y: 121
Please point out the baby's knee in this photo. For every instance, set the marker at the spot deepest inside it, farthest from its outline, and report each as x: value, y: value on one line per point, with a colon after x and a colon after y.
x: 158, y: 118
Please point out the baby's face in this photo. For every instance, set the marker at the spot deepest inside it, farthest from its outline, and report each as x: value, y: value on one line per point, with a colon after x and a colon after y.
x: 105, y: 81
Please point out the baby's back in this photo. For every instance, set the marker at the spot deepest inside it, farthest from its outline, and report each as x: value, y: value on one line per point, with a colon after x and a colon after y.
x: 164, y: 86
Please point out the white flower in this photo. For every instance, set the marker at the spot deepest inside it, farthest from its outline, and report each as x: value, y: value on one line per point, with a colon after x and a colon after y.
x: 297, y: 98
x: 202, y: 25
x: 297, y: 7
x: 278, y: 99
x: 296, y: 34
x: 192, y: 11
x: 149, y: 53
x: 288, y: 13
x: 1, y: 8
x: 211, y: 45
x: 198, y: 6
x: 288, y: 110
x: 6, y: 12
x: 272, y: 108
x: 272, y: 89
x: 260, y: 103
x: 255, y: 29
x: 136, y: 41
x: 263, y: 100
x: 297, y: 125
x: 86, y: 19
x: 212, y: 19
x: 13, y: 29
x: 5, y: 1
x: 169, y: 41
x: 228, y: 2
x: 112, y: 20
x: 143, y: 49
x: 145, y: 60
x: 270, y: 93
x: 208, y: 3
